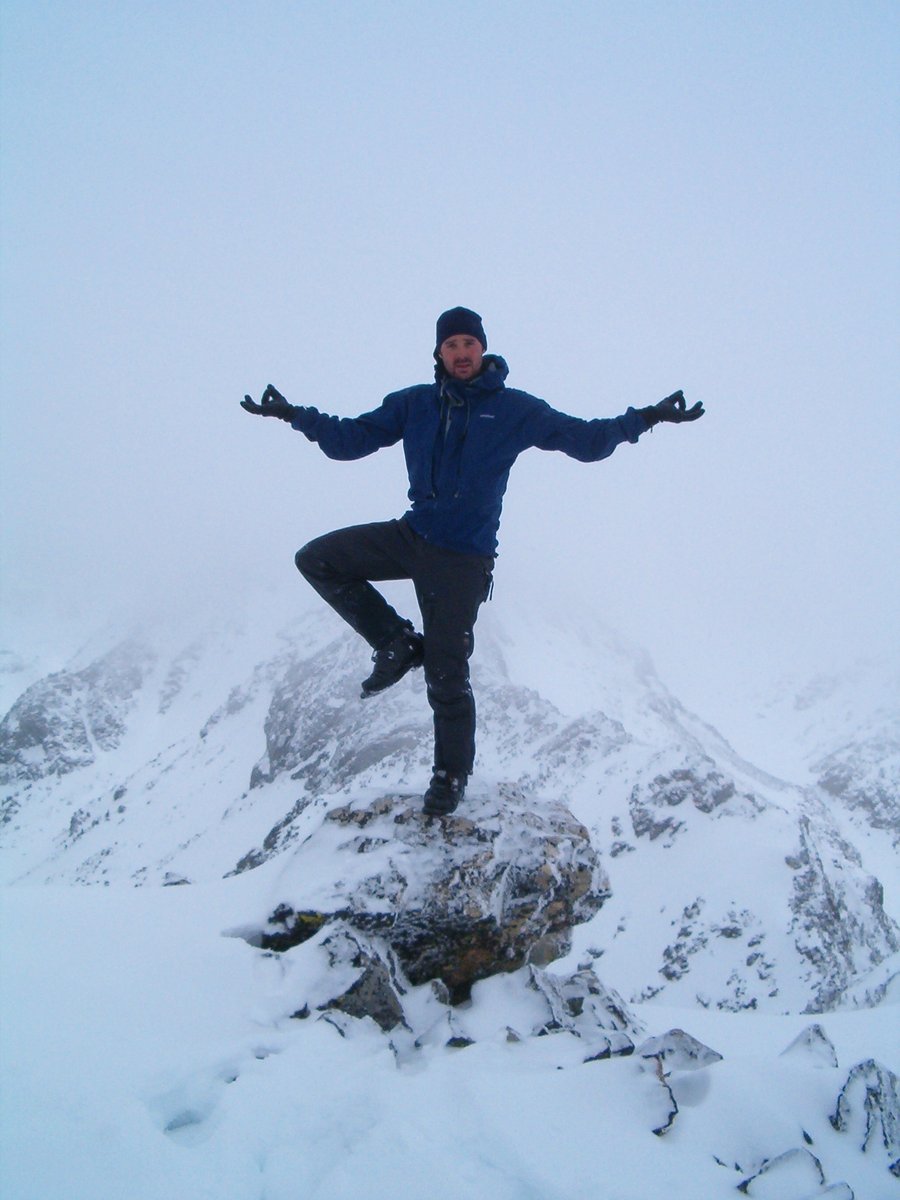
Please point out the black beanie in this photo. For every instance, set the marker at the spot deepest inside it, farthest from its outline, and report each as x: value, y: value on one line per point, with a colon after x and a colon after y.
x: 459, y: 320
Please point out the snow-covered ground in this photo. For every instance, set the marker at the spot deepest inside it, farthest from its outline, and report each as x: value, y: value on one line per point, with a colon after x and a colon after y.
x: 145, y: 1056
x: 147, y: 1052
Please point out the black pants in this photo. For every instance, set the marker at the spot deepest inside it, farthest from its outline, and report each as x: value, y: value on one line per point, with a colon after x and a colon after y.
x: 450, y: 588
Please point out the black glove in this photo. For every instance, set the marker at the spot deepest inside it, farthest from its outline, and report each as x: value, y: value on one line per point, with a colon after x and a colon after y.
x: 272, y: 404
x: 672, y: 409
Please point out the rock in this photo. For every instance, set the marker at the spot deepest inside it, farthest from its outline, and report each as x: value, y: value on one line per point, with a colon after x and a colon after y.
x: 795, y: 1175
x: 813, y: 1046
x: 696, y: 781
x: 340, y: 974
x: 863, y: 775
x: 344, y: 976
x: 61, y: 723
x: 678, y: 1051
x: 494, y: 887
x: 839, y: 923
x: 868, y: 1107
x: 536, y: 1003
x: 376, y: 990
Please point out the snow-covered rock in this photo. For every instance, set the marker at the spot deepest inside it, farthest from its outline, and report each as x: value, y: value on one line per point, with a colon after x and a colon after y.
x: 794, y: 1175
x: 813, y: 1046
x: 457, y: 898
x: 868, y: 1108
x: 63, y: 722
x: 678, y: 1051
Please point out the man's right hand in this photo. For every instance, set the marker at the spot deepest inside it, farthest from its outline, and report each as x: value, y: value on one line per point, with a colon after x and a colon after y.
x: 674, y: 408
x: 272, y: 404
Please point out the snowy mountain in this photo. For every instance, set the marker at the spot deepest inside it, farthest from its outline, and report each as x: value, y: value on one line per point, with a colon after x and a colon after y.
x: 235, y: 759
x: 147, y: 762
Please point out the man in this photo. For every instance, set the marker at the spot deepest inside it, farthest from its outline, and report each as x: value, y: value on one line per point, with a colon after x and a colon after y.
x: 461, y: 435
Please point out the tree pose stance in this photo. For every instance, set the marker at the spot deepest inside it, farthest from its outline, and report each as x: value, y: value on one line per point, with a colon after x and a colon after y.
x: 461, y: 435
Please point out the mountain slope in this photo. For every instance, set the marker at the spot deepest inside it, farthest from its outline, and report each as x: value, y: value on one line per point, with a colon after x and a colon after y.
x: 167, y: 756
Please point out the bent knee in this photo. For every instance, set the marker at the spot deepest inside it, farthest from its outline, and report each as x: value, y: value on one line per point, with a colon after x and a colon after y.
x: 307, y: 561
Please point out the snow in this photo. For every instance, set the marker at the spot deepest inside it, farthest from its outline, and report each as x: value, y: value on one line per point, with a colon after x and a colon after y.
x: 148, y: 1051
x: 144, y: 1056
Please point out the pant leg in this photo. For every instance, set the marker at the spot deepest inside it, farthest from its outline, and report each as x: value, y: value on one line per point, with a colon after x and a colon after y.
x: 450, y: 588
x: 340, y: 565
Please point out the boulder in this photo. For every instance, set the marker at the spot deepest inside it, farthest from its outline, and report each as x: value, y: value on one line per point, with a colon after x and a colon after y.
x: 813, y: 1047
x: 677, y: 1051
x: 494, y: 887
x: 868, y: 1108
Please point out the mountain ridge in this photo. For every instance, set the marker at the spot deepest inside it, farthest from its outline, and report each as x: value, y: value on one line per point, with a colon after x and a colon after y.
x: 193, y: 755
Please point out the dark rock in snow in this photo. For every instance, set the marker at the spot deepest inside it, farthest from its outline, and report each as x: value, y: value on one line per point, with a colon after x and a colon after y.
x: 698, y: 782
x: 457, y: 899
x: 376, y: 990
x: 344, y: 976
x: 868, y: 1108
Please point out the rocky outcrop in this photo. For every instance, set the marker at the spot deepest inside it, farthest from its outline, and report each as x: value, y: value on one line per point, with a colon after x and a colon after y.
x: 678, y: 1051
x: 341, y: 973
x: 839, y: 923
x: 60, y: 723
x: 863, y: 776
x: 654, y: 803
x: 456, y: 899
x: 868, y: 1108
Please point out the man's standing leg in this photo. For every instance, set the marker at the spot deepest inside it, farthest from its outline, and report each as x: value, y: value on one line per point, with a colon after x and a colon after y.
x: 450, y: 588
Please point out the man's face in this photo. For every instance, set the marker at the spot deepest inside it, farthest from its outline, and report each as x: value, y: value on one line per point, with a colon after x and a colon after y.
x: 462, y: 356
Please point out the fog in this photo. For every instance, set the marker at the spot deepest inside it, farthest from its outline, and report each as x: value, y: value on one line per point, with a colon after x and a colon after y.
x: 201, y: 199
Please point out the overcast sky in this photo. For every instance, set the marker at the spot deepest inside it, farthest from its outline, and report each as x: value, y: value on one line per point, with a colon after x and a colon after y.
x: 198, y: 199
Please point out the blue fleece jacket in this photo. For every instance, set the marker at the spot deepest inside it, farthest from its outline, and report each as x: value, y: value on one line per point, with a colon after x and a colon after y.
x: 460, y: 441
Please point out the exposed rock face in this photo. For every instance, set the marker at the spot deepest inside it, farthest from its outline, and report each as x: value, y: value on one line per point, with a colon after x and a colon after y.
x: 678, y: 1051
x: 654, y: 804
x: 456, y: 899
x: 863, y: 776
x: 826, y: 905
x: 60, y: 723
x: 314, y: 724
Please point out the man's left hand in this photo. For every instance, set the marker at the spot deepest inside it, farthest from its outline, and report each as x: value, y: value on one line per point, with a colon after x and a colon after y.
x: 273, y: 404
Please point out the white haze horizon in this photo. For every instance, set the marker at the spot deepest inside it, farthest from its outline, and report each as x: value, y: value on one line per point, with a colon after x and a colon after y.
x: 198, y: 202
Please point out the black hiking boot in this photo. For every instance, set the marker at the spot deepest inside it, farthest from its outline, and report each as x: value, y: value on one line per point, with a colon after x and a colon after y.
x: 392, y: 661
x: 445, y: 791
